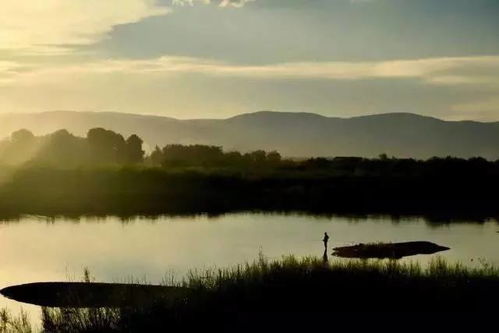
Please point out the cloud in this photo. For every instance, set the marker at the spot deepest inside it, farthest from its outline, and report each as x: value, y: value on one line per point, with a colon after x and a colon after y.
x: 55, y: 26
x: 8, y: 66
x: 9, y: 70
x: 234, y: 3
x: 221, y: 3
x: 479, y: 70
x: 194, y: 87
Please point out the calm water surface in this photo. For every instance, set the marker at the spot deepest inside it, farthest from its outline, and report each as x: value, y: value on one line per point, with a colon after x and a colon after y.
x: 37, y: 249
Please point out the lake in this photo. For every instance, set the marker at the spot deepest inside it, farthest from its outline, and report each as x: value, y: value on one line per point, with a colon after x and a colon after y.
x: 153, y: 250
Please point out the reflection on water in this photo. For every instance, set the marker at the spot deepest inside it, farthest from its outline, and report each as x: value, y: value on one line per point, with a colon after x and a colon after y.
x: 34, y: 249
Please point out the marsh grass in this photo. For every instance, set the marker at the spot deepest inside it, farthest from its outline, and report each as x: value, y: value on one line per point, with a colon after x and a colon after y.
x: 136, y: 191
x: 247, y: 294
x: 262, y: 270
x: 80, y: 320
x: 251, y: 295
x: 14, y: 324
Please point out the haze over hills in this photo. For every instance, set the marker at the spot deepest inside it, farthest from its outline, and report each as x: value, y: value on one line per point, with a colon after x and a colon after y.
x: 292, y: 134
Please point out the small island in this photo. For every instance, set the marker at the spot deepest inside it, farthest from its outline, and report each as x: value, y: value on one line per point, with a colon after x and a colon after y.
x: 388, y: 250
x: 92, y: 294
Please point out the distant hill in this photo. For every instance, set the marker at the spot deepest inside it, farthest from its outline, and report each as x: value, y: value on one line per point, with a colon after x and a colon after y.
x: 292, y: 134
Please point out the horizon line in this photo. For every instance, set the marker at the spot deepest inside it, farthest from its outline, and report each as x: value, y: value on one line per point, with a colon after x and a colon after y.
x: 250, y: 113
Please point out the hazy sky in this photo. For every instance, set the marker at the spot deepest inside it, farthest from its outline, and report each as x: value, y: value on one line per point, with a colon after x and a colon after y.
x: 214, y: 59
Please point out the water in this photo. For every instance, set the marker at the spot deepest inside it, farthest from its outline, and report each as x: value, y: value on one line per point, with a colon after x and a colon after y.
x: 152, y: 250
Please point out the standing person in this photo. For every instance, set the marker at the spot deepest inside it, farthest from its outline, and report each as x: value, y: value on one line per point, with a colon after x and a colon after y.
x: 325, y: 240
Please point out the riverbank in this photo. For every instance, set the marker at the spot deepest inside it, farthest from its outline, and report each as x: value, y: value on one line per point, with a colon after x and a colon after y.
x: 135, y: 191
x: 254, y: 294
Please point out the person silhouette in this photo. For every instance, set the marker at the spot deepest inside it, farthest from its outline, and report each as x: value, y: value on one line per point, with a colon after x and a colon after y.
x: 325, y: 240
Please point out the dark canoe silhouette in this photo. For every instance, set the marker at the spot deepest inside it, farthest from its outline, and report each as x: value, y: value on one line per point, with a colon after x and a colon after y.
x: 388, y: 250
x: 87, y: 294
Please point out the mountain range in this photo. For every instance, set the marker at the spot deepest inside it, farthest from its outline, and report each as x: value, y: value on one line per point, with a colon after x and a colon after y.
x: 292, y: 134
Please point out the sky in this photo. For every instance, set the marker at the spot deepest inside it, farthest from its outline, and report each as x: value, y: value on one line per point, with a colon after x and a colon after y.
x: 218, y: 58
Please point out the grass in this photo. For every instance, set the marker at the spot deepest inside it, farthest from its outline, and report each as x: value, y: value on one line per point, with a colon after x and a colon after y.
x: 135, y: 191
x: 254, y: 294
x: 14, y: 324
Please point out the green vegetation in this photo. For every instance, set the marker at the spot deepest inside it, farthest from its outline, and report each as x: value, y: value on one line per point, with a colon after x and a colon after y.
x: 62, y: 149
x: 211, y: 156
x: 256, y: 293
x: 104, y: 174
x: 127, y: 191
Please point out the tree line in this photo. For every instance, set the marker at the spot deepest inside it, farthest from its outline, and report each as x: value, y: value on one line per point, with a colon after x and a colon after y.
x: 105, y: 147
x: 185, y: 179
x: 210, y: 156
x: 101, y: 147
x: 61, y: 148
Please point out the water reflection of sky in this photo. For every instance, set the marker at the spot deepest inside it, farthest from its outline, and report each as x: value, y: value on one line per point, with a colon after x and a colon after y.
x: 150, y: 250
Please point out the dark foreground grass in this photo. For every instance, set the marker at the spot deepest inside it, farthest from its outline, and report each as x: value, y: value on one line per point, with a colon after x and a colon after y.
x: 253, y: 296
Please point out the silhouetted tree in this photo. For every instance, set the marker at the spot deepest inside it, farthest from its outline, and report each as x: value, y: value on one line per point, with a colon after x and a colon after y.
x: 20, y: 148
x: 383, y: 157
x: 106, y: 146
x: 273, y: 157
x: 233, y: 158
x: 258, y: 156
x: 156, y: 157
x: 61, y: 148
x: 22, y: 136
x: 193, y: 155
x: 133, y: 150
